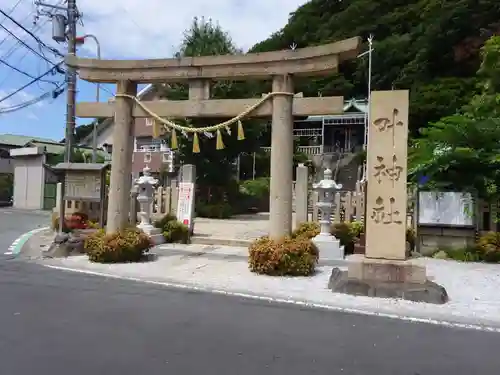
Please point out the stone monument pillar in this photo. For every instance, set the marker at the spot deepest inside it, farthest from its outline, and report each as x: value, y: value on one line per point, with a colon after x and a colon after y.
x: 384, y: 271
x: 329, y: 247
x: 301, y: 194
x: 120, y: 180
x: 280, y: 210
x: 145, y: 185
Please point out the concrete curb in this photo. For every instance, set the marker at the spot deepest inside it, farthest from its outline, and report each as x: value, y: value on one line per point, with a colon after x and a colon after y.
x: 17, y: 246
x: 213, y: 241
x: 417, y: 318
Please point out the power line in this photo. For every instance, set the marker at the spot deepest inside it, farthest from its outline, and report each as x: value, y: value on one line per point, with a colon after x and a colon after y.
x: 26, y: 45
x: 54, y: 94
x: 23, y: 72
x: 12, y: 10
x: 55, y: 67
x: 39, y: 41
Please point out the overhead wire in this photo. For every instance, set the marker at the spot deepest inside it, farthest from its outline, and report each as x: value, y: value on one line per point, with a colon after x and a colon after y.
x: 53, y: 69
x: 54, y: 94
x: 39, y: 41
x: 24, y: 73
x: 10, y: 12
x: 26, y: 45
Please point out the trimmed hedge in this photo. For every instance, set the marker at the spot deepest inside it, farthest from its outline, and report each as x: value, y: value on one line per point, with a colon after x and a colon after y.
x: 128, y: 245
x: 288, y: 256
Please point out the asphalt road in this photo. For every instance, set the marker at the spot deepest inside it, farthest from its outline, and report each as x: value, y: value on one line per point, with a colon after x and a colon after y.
x: 58, y: 323
x: 14, y: 223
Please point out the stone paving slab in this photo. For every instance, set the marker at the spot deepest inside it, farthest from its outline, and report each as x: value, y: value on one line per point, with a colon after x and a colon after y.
x: 473, y: 287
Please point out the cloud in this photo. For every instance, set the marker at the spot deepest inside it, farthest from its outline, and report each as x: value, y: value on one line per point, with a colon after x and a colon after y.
x: 154, y: 28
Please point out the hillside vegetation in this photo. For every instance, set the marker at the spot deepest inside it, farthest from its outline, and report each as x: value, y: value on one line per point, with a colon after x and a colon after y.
x: 429, y: 46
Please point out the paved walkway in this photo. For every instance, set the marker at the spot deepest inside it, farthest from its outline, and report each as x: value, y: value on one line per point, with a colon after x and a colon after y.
x: 243, y: 227
x: 472, y: 287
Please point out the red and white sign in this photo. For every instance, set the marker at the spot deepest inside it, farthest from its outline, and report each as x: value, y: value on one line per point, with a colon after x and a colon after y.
x: 185, y: 204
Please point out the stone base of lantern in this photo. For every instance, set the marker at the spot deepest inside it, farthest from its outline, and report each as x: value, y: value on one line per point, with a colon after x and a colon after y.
x: 386, y: 279
x: 155, y: 233
x: 329, y: 247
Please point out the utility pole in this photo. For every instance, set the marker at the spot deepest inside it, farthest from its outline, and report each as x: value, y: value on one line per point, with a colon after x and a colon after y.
x: 60, y: 34
x: 71, y: 81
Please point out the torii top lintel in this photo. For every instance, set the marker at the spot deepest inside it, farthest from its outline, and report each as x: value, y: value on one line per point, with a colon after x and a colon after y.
x: 310, y: 61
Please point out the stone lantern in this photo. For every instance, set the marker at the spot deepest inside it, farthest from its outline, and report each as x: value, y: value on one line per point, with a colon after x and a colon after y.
x: 329, y: 246
x: 145, y: 185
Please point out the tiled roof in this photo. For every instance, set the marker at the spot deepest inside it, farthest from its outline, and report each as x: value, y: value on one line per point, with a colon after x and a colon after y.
x: 21, y: 140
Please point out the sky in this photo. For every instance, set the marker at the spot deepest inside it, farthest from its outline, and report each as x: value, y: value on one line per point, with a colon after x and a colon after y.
x: 137, y: 29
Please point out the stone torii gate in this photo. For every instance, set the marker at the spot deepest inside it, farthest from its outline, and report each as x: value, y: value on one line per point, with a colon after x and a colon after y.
x: 199, y: 72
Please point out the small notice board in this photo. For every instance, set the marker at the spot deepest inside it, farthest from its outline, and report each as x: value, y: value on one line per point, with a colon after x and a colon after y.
x: 185, y: 205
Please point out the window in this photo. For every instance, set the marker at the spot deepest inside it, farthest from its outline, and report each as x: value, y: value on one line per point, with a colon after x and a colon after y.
x: 149, y: 122
x: 147, y: 157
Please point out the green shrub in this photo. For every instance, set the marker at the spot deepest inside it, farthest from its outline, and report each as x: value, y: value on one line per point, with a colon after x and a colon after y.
x: 175, y: 232
x: 257, y: 188
x: 488, y: 247
x: 253, y: 196
x: 466, y: 254
x: 309, y: 229
x: 344, y: 233
x: 357, y: 227
x: 214, y: 211
x: 411, y: 238
x: 164, y: 220
x: 440, y: 254
x: 127, y: 245
x: 288, y: 256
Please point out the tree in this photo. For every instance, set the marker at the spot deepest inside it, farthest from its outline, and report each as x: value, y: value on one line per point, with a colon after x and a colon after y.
x: 215, y: 168
x: 428, y: 46
x: 462, y: 151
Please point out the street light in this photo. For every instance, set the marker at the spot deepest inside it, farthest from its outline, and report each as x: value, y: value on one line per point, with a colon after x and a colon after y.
x: 80, y: 41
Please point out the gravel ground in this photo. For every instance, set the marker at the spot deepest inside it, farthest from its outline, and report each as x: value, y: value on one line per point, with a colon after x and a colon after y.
x: 472, y: 287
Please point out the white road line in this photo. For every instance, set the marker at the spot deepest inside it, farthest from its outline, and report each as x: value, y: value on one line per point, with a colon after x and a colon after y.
x: 285, y: 301
x: 15, y: 247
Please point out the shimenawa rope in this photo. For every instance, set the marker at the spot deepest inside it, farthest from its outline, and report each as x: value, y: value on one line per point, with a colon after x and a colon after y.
x: 217, y: 128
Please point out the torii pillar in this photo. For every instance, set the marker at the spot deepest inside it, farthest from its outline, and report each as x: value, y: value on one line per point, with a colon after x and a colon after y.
x: 280, y: 215
x: 121, y: 162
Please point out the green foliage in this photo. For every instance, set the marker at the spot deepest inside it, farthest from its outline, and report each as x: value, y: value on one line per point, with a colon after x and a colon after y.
x: 160, y: 224
x: 78, y: 156
x: 128, y: 245
x: 215, y: 168
x: 489, y: 247
x: 257, y: 188
x: 430, y: 47
x: 254, y: 194
x: 173, y: 230
x: 176, y: 232
x: 222, y: 210
x: 306, y: 230
x: 460, y: 152
x: 345, y: 234
x: 486, y: 249
x: 411, y: 238
x: 288, y: 256
x: 6, y: 186
x: 466, y: 254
